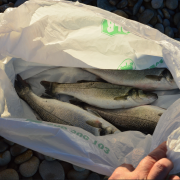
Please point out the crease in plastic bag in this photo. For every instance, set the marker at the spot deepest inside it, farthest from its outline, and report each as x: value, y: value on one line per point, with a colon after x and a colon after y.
x: 62, y: 33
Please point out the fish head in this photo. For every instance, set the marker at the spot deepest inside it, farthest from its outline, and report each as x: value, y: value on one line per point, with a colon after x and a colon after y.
x: 143, y: 97
x: 21, y: 86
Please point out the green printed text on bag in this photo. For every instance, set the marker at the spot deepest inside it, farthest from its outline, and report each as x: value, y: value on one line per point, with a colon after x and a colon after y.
x: 111, y: 28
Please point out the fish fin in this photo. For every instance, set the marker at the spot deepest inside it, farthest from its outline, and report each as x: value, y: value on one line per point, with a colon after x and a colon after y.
x: 21, y: 83
x: 46, y: 85
x: 154, y: 77
x: 94, y: 123
x: 121, y: 98
x: 93, y: 112
x: 160, y: 114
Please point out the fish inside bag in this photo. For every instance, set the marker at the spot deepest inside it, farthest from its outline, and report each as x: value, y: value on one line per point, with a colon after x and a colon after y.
x: 50, y: 43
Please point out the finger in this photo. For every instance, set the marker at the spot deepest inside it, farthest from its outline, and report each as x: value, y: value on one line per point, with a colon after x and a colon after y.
x: 122, y: 171
x: 174, y: 177
x: 161, y: 169
x: 147, y: 163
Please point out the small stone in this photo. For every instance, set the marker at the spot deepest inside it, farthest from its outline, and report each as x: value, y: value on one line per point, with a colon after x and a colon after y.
x: 150, y: 25
x: 178, y: 27
x: 122, y: 4
x: 171, y: 12
x: 5, y: 158
x: 2, y: 168
x: 172, y: 4
x: 159, y: 27
x: 93, y: 176
x: 160, y: 13
x: 4, y: 7
x: 17, y: 149
x: 159, y: 19
x: 128, y: 12
x: 66, y: 166
x: 77, y: 168
x: 37, y: 176
x: 51, y: 170
x: 166, y: 13
x: 1, y: 2
x: 176, y: 18
x: 39, y: 155
x: 153, y: 21
x: 48, y: 158
x: 75, y: 175
x: 166, y: 22
x: 141, y: 10
x: 131, y: 3
x: 3, y: 146
x: 146, y: 16
x: 137, y: 7
x: 9, y: 142
x: 169, y: 31
x: 9, y: 174
x: 19, y: 2
x: 5, y: 1
x: 113, y: 2
x: 11, y: 4
x: 121, y: 13
x: 23, y: 157
x: 156, y: 4
x: 104, y: 4
x: 175, y: 30
x: 135, y: 18
x: 30, y: 167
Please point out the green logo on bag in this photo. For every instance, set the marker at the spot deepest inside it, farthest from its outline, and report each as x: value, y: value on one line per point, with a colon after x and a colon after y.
x: 157, y: 63
x: 127, y: 64
x: 112, y: 29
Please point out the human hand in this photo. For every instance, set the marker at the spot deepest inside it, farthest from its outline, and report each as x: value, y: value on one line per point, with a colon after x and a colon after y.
x: 155, y: 166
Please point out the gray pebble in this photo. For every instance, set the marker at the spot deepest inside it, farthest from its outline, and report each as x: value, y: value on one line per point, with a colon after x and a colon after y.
x: 128, y: 12
x: 93, y: 176
x: 153, y: 21
x: 159, y: 27
x: 166, y: 13
x: 142, y: 8
x: 77, y: 168
x: 9, y: 142
x: 176, y: 18
x: 156, y: 4
x: 39, y: 155
x: 49, y: 158
x: 75, y: 175
x: 166, y: 22
x: 23, y: 157
x: 171, y: 12
x: 121, y: 13
x: 122, y: 4
x: 104, y: 4
x: 146, y: 16
x: 9, y: 174
x: 113, y: 2
x: 3, y: 146
x: 159, y: 19
x: 169, y: 31
x: 175, y: 30
x: 30, y: 167
x: 5, y: 158
x: 160, y: 13
x: 137, y: 7
x: 172, y: 4
x: 51, y: 170
x: 131, y: 3
x: 17, y: 149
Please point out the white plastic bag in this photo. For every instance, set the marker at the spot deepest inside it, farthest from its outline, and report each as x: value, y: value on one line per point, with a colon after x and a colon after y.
x: 62, y: 33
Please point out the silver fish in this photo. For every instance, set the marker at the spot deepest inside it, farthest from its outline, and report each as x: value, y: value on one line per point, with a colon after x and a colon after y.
x: 142, y: 118
x: 149, y: 79
x: 55, y: 111
x: 100, y: 94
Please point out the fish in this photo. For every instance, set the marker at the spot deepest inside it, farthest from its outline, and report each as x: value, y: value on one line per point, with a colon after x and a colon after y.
x: 148, y: 79
x: 52, y: 110
x: 100, y: 94
x: 142, y: 118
